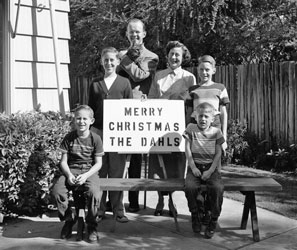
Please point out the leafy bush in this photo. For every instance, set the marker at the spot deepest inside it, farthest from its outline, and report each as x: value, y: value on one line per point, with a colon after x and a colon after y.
x: 28, y: 159
x: 236, y: 141
x: 280, y: 160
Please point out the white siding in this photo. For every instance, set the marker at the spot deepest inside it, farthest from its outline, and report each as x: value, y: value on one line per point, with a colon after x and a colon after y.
x: 28, y: 99
x: 37, y: 22
x: 39, y: 75
x: 33, y: 68
x: 62, y: 5
x: 39, y: 49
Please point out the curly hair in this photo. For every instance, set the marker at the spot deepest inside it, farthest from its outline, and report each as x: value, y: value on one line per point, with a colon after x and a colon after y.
x: 176, y: 44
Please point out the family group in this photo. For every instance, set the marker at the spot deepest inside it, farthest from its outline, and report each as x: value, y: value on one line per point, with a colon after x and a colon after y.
x: 133, y: 74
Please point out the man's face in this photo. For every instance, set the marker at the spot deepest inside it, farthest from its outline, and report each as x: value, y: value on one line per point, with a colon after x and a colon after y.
x: 135, y: 33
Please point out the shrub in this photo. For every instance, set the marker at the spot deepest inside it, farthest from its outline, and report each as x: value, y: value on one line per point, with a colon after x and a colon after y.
x: 28, y: 158
x: 236, y: 141
x: 283, y: 159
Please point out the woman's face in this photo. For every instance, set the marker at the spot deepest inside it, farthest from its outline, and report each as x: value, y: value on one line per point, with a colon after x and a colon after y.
x: 175, y: 57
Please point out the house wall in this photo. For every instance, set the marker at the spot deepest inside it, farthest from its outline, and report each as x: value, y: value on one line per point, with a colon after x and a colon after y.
x: 33, y: 79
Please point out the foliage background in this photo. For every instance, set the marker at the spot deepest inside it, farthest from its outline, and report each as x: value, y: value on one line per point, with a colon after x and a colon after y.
x: 28, y: 159
x: 233, y: 31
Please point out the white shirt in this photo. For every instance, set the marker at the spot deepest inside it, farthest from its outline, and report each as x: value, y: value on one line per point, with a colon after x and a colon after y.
x: 171, y: 84
x: 109, y: 81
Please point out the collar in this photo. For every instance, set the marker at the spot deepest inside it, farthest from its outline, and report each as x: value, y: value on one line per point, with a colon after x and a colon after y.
x: 176, y: 71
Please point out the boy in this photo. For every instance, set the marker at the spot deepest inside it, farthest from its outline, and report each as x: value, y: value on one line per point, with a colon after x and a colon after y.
x: 211, y: 92
x: 203, y: 152
x: 81, y: 160
x: 112, y: 86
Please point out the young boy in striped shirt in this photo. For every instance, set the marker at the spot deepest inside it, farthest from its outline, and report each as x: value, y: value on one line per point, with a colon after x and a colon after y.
x: 203, y: 151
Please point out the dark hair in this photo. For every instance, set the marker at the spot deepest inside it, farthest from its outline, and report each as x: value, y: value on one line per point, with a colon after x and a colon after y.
x: 136, y: 20
x: 85, y: 107
x: 176, y: 44
x: 111, y: 50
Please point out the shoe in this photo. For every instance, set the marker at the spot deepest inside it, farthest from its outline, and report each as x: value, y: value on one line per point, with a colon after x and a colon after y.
x: 122, y: 219
x: 158, y: 212
x: 66, y: 232
x: 196, y: 224
x: 99, y: 218
x: 210, y: 230
x: 93, y: 236
x: 133, y: 209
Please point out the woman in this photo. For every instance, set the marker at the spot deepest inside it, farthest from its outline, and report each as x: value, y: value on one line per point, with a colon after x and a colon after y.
x: 172, y: 84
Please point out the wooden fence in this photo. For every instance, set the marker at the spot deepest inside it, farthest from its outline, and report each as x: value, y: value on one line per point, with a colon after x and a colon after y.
x: 262, y: 95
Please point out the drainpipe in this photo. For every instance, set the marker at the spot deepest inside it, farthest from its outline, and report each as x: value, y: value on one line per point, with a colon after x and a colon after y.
x: 57, y: 59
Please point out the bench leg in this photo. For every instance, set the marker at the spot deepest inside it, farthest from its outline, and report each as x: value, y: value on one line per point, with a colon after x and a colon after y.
x: 174, y: 212
x: 250, y: 205
x: 162, y: 165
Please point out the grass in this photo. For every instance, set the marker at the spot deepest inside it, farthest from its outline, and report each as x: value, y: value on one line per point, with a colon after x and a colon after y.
x: 282, y: 202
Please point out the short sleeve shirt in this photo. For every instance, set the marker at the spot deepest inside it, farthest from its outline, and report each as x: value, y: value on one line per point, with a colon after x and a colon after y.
x: 203, y: 143
x: 82, y: 150
x: 215, y: 94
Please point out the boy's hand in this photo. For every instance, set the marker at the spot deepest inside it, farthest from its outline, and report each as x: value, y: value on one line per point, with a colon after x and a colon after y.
x: 81, y: 179
x: 196, y: 172
x: 71, y: 180
x: 206, y: 174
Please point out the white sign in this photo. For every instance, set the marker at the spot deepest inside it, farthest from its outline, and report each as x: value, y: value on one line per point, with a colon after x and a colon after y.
x: 143, y: 126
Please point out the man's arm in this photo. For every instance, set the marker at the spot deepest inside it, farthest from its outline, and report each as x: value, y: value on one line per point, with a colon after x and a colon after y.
x: 138, y: 71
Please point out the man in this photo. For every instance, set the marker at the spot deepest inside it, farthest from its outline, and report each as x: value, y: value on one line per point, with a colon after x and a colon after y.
x: 138, y: 64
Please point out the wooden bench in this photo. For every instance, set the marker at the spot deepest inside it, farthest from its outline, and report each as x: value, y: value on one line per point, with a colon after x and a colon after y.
x: 247, y: 186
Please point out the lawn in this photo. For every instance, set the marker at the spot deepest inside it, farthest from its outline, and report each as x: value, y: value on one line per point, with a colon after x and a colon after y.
x: 283, y: 202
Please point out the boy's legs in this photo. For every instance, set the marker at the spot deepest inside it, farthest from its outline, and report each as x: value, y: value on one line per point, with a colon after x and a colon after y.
x: 215, y: 190
x: 116, y: 169
x: 192, y: 190
x: 103, y: 174
x: 93, y: 194
x: 60, y: 193
x: 134, y: 172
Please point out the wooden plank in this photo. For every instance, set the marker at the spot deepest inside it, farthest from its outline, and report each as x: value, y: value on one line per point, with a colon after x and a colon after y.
x: 291, y: 107
x: 277, y: 100
x: 230, y: 184
x: 295, y: 98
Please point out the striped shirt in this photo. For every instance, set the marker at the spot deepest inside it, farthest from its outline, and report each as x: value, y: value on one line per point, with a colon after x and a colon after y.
x: 215, y: 94
x: 82, y: 150
x: 203, y: 143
